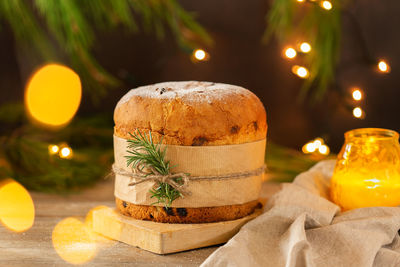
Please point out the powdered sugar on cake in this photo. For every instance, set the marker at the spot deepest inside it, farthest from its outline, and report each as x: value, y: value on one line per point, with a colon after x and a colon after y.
x: 188, y: 91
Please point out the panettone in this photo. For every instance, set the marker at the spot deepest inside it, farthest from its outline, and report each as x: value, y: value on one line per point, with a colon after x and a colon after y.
x: 191, y: 114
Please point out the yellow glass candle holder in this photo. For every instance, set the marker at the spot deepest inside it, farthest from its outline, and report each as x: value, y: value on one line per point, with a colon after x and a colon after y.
x: 367, y: 171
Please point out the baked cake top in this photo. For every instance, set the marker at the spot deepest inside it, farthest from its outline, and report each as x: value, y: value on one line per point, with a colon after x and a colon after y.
x: 192, y: 113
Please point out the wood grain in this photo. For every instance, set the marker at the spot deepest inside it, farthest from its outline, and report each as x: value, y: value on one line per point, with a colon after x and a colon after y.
x: 165, y: 238
x: 34, y: 247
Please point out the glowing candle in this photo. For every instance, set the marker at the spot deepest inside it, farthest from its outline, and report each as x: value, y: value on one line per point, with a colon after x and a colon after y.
x: 367, y: 172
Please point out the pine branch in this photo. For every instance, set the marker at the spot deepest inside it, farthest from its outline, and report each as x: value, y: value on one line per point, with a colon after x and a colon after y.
x: 72, y: 24
x: 24, y: 154
x: 145, y: 154
x: 289, y: 19
x: 30, y: 164
x: 25, y: 27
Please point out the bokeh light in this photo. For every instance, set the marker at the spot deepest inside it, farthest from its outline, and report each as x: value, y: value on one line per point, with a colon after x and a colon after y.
x: 200, y: 55
x: 65, y: 152
x: 53, y: 95
x: 357, y: 94
x: 358, y: 113
x: 324, y: 150
x: 326, y: 5
x: 315, y: 147
x: 76, y: 242
x: 17, y: 211
x: 310, y: 147
x: 318, y: 142
x: 53, y: 149
x: 383, y: 66
x: 305, y: 47
x: 300, y: 71
x: 73, y: 241
x: 290, y: 52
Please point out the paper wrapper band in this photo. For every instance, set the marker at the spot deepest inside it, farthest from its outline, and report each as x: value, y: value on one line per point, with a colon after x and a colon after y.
x: 200, y: 161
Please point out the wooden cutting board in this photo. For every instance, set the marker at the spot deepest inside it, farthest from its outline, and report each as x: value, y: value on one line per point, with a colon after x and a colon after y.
x: 164, y: 238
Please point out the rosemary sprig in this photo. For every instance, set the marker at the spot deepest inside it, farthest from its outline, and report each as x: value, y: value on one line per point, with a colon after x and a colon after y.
x: 144, y: 153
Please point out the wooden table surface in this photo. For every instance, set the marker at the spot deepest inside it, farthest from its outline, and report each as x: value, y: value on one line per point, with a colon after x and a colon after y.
x: 35, y: 247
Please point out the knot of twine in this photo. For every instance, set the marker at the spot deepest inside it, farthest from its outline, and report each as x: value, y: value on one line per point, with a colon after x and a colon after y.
x: 155, y: 176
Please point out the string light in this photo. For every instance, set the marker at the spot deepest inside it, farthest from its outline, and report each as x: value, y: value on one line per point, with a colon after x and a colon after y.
x: 358, y: 113
x: 309, y: 148
x: 300, y: 71
x: 65, y: 152
x: 357, y: 94
x: 290, y: 52
x: 62, y: 150
x: 324, y: 150
x: 383, y: 66
x: 326, y: 5
x: 305, y: 47
x: 200, y: 55
x: 316, y: 146
x: 53, y: 149
x: 318, y: 142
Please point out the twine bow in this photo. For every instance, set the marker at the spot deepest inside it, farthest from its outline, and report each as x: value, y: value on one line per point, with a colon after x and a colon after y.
x: 153, y: 175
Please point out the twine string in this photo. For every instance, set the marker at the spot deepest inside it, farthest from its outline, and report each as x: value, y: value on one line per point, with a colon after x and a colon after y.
x: 153, y: 175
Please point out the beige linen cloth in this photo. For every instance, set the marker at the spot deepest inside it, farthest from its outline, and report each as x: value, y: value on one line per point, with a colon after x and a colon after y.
x: 301, y: 227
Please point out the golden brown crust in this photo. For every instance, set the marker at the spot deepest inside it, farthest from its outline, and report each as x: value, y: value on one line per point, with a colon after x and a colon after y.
x: 192, y: 113
x: 186, y: 215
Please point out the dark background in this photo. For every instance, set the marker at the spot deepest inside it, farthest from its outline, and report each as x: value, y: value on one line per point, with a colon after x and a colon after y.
x: 239, y: 57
